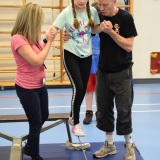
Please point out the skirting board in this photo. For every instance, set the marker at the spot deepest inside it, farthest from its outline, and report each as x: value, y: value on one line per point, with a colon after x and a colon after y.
x: 147, y: 81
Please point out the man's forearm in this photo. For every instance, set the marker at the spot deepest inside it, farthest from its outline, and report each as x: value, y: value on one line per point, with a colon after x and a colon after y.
x: 125, y: 43
x: 96, y: 29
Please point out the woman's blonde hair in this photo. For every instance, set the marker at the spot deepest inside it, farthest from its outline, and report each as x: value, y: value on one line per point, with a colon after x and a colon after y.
x: 28, y: 22
x: 76, y: 23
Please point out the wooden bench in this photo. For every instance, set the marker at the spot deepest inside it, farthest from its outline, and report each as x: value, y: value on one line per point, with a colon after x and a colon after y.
x: 16, y: 149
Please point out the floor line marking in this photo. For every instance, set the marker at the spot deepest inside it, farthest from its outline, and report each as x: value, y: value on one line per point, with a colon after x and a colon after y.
x: 69, y: 94
x: 83, y: 106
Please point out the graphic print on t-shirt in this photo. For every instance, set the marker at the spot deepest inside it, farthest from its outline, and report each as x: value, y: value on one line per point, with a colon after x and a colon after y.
x: 82, y: 35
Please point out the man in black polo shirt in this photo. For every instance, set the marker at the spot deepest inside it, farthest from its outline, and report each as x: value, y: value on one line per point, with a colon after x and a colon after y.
x: 114, y: 77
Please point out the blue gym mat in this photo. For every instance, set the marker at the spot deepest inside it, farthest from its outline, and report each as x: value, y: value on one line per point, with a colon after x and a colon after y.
x: 58, y: 152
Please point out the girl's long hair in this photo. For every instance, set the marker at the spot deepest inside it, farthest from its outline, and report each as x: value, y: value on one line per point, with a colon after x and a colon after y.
x: 90, y: 21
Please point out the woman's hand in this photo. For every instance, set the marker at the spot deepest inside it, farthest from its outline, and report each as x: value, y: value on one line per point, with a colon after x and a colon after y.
x: 51, y: 33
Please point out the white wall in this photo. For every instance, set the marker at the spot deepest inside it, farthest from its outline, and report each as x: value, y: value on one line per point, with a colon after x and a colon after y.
x: 147, y: 20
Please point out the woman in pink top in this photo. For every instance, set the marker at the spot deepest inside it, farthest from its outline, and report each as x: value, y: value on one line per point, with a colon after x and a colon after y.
x: 30, y: 54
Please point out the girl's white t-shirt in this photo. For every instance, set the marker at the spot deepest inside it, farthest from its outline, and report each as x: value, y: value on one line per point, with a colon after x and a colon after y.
x: 80, y: 41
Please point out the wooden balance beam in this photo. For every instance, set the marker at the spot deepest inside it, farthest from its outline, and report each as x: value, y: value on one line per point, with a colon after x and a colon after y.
x: 16, y: 149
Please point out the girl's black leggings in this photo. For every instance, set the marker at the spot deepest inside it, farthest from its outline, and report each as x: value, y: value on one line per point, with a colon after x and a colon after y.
x: 78, y: 70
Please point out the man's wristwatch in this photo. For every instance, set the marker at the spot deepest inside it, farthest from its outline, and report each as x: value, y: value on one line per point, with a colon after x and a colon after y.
x: 45, y: 40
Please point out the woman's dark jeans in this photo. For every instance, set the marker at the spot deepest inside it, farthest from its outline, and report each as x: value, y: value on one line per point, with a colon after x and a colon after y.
x: 35, y: 104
